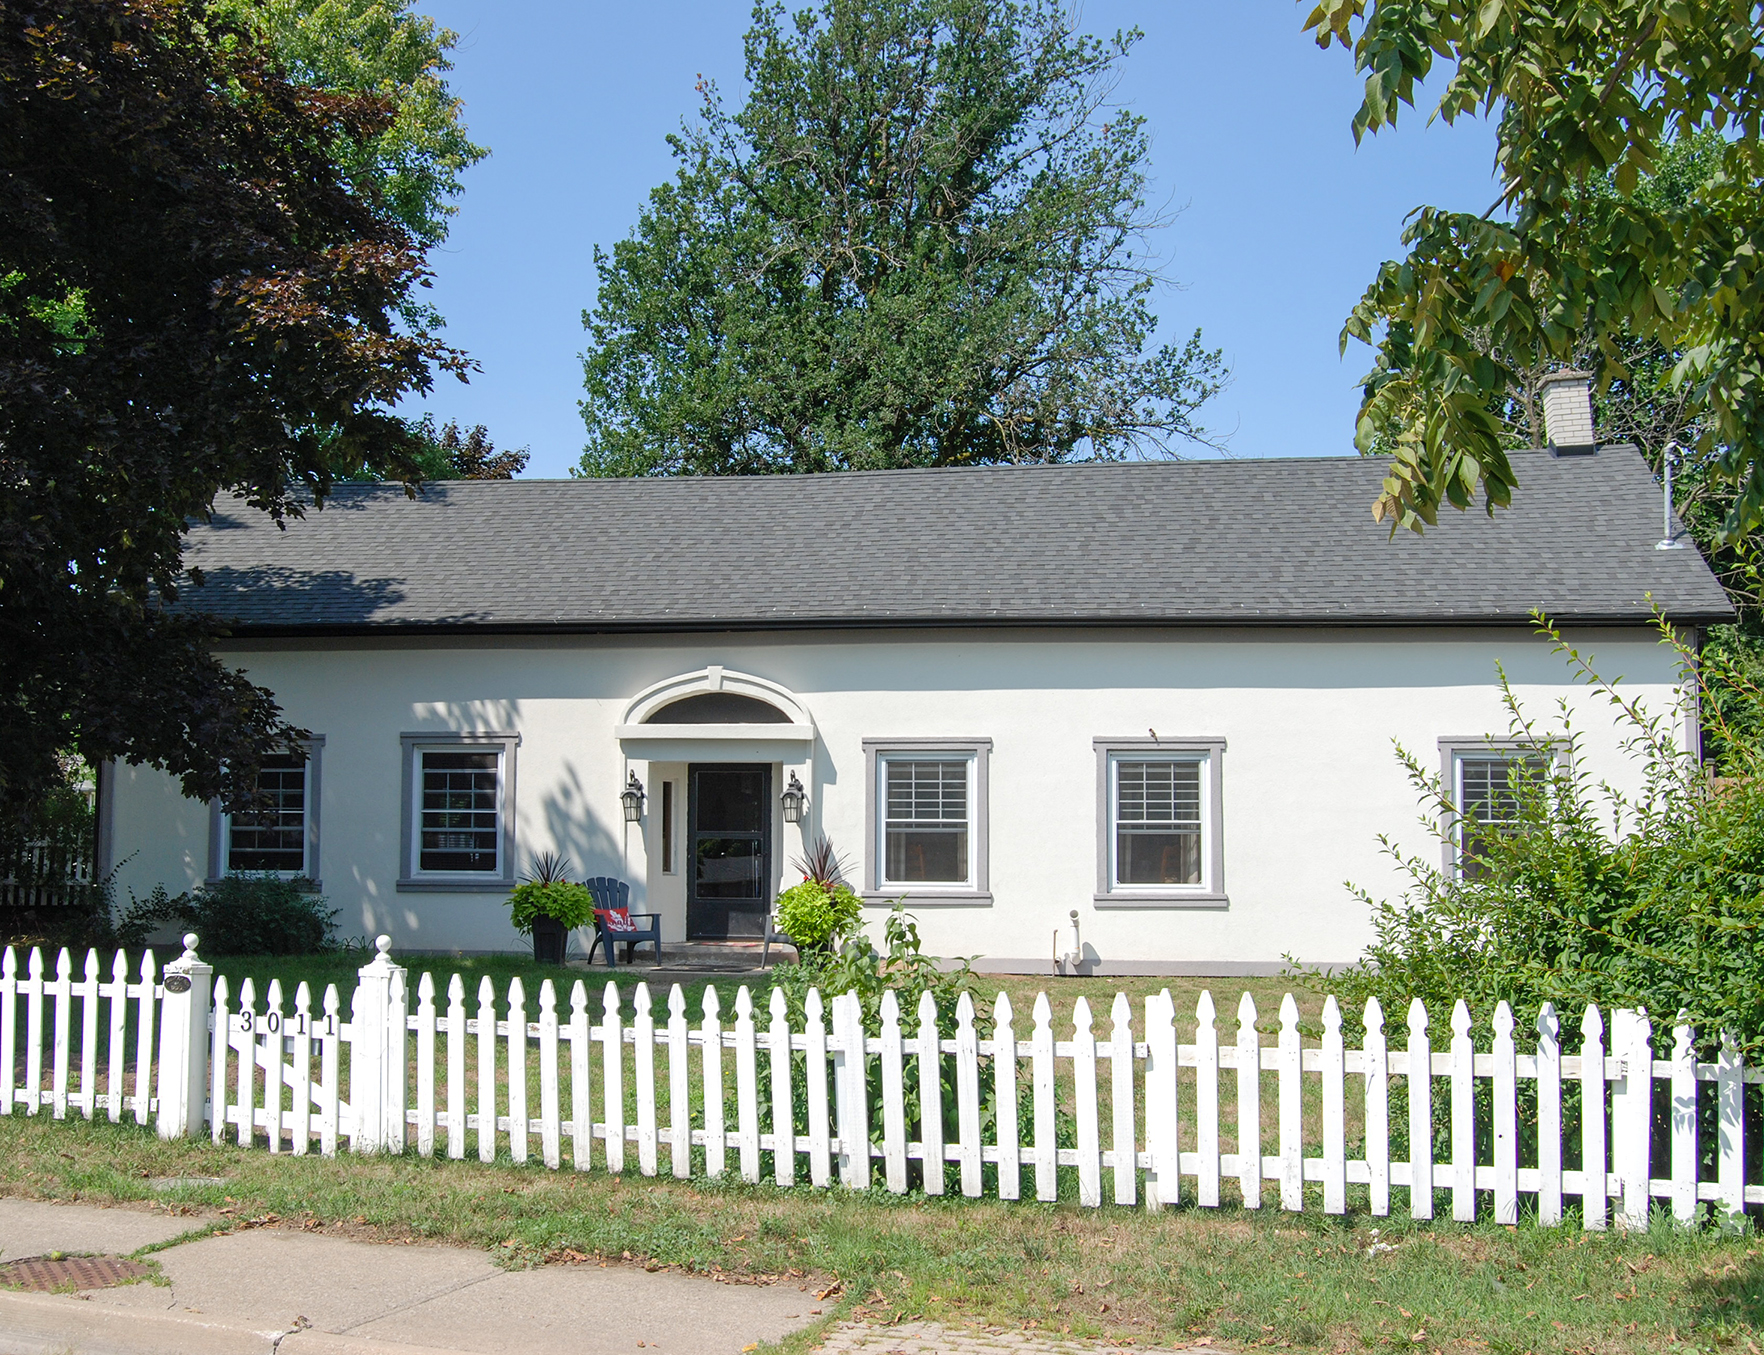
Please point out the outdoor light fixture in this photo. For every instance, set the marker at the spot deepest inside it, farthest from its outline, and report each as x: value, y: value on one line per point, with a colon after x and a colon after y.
x: 632, y: 798
x: 794, y: 799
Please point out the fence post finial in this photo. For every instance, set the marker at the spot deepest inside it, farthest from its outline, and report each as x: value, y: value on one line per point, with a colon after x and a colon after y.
x: 183, y: 1044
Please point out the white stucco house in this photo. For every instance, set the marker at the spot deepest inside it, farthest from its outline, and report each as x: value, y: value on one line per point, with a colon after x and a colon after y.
x: 1161, y: 695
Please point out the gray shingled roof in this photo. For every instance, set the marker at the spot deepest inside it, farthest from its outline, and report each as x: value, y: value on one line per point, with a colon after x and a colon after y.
x: 1192, y: 542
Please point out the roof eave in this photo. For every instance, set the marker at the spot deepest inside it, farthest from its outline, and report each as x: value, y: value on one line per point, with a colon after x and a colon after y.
x: 333, y: 630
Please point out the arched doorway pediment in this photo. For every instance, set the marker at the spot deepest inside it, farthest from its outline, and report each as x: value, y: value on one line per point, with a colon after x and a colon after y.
x: 783, y: 714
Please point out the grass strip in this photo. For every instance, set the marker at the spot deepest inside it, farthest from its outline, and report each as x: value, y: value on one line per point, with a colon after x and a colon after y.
x: 1242, y: 1278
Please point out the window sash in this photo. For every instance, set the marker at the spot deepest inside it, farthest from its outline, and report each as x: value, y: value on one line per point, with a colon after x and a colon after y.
x: 272, y: 839
x: 1158, y: 822
x: 926, y: 806
x: 458, y: 808
x: 1487, y: 803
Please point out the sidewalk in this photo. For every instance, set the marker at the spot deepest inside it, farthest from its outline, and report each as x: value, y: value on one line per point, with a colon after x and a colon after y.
x: 271, y: 1291
x: 268, y: 1290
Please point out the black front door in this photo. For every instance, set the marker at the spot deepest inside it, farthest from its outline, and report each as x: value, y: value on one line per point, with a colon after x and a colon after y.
x: 729, y: 825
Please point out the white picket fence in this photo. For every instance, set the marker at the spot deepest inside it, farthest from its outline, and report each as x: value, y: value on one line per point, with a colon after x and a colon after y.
x: 272, y: 1077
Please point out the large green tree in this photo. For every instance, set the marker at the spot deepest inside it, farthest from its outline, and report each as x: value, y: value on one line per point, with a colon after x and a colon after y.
x: 386, y: 50
x: 197, y: 296
x: 1575, y: 259
x: 920, y: 241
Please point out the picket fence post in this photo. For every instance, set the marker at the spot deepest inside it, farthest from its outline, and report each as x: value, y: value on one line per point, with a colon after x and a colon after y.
x: 183, y: 1045
x: 851, y: 1108
x: 1162, y: 1183
x: 1632, y: 1112
x: 369, y: 1077
x: 1377, y: 1093
x: 1730, y: 1100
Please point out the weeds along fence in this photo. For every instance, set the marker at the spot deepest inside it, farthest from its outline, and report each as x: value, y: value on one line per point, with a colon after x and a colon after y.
x: 1119, y: 1113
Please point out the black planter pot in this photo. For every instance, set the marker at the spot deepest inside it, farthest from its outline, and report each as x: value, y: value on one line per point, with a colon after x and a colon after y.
x: 550, y: 937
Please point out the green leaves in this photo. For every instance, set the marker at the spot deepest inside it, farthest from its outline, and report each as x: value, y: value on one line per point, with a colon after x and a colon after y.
x: 1591, y: 100
x: 914, y: 244
x: 196, y: 295
x: 1587, y: 895
x: 382, y: 49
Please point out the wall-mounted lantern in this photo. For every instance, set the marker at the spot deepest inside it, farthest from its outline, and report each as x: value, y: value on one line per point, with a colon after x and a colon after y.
x: 632, y: 798
x: 794, y: 799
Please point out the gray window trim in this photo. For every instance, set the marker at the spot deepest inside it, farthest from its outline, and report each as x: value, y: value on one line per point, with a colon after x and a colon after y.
x: 979, y: 895
x: 409, y: 879
x: 1211, y: 893
x: 1450, y: 750
x: 219, y: 820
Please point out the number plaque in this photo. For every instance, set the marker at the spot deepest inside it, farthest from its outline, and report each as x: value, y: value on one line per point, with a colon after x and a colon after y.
x: 177, y: 983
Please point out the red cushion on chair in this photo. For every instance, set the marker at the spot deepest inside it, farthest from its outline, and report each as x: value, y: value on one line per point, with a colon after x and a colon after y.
x: 616, y: 919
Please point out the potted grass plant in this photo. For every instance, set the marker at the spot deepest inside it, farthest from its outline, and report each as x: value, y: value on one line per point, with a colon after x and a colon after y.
x: 548, y: 907
x: 822, y: 910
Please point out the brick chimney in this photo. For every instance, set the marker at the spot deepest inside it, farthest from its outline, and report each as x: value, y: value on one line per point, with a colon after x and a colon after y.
x: 1568, y: 413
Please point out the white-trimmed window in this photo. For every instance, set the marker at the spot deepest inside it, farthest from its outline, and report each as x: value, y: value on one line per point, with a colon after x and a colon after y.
x: 927, y: 812
x: 279, y: 837
x: 1159, y: 837
x: 458, y: 811
x: 1485, y: 782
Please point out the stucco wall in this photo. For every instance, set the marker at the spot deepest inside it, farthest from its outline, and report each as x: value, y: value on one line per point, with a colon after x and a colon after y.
x: 1309, y: 776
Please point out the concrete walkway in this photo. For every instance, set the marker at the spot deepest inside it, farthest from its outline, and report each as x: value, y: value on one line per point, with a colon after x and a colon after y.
x: 266, y: 1290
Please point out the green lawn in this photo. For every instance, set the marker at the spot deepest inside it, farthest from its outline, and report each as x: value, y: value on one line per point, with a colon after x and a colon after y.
x: 1240, y: 1277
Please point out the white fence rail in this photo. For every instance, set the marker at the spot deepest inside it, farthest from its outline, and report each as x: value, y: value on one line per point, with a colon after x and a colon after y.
x: 1142, y: 1115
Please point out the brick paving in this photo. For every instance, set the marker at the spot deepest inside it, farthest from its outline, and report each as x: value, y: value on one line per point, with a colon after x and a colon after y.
x: 931, y: 1338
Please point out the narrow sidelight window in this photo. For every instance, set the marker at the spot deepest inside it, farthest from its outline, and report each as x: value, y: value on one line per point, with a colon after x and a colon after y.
x: 1157, y: 821
x: 460, y: 819
x: 927, y: 823
x: 667, y: 827
x: 272, y: 838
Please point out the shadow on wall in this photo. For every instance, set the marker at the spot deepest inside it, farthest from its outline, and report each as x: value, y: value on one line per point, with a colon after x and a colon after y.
x: 581, y: 830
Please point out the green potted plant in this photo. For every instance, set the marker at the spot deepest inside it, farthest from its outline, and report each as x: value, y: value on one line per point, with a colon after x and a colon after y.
x: 822, y: 909
x: 547, y: 907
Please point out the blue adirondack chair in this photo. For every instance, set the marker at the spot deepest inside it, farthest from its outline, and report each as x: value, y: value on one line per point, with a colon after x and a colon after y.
x: 611, y: 893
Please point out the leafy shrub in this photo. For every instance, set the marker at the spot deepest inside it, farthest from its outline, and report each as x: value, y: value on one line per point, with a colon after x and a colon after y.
x: 240, y: 915
x: 570, y: 904
x: 1653, y: 900
x: 858, y: 967
x: 815, y: 915
x: 822, y: 910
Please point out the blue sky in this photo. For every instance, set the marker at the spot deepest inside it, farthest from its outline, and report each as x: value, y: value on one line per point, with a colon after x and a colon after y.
x: 1283, y: 221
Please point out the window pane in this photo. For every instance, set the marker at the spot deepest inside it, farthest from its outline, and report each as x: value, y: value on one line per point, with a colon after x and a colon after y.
x: 1166, y: 792
x: 927, y: 855
x: 732, y: 801
x: 1153, y: 858
x: 458, y: 814
x: 1158, y: 821
x: 730, y: 868
x: 1489, y: 804
x: 927, y: 792
x: 925, y: 820
x: 272, y: 838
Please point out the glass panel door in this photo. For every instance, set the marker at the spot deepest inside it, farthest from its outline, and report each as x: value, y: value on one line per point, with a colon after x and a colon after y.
x: 729, y: 889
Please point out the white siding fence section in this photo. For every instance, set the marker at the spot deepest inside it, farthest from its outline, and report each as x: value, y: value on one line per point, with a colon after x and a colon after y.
x: 1116, y: 1114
